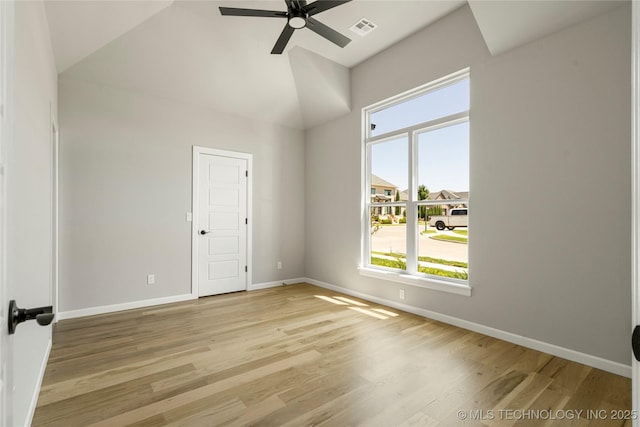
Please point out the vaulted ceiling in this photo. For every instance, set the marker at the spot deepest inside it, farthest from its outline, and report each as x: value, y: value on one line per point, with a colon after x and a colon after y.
x: 187, y: 52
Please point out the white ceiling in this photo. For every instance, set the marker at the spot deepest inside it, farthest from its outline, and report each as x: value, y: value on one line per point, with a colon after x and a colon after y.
x: 187, y: 52
x: 81, y: 28
x: 508, y: 24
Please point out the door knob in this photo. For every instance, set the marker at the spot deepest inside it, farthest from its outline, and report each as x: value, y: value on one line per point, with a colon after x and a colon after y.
x: 203, y: 232
x: 635, y: 342
x: 43, y: 315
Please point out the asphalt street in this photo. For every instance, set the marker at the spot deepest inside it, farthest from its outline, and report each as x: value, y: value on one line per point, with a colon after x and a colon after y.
x: 393, y: 239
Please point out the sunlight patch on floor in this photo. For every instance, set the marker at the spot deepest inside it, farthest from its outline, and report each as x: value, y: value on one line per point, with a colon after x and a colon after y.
x: 385, y: 312
x: 369, y: 312
x: 331, y: 300
x: 378, y: 313
x: 352, y: 302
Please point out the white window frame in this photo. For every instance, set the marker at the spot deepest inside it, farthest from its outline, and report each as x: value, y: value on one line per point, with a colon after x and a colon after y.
x: 410, y: 276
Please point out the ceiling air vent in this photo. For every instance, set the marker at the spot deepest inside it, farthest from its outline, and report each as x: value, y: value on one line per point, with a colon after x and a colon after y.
x: 363, y: 27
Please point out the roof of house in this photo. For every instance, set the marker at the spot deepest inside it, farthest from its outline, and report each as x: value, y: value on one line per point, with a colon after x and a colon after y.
x: 404, y: 194
x: 379, y: 182
x: 448, y: 195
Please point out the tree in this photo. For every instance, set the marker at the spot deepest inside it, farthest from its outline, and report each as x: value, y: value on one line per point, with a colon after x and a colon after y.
x: 398, y: 208
x: 423, y: 194
x: 434, y: 211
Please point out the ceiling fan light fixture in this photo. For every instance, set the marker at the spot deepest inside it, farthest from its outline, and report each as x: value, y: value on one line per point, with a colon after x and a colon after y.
x: 297, y: 19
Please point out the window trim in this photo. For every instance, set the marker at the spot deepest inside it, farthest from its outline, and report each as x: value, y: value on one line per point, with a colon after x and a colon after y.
x: 415, y: 278
x: 423, y: 281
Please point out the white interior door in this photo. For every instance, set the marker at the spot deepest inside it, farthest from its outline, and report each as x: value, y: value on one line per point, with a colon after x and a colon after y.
x: 222, y: 220
x: 6, y: 365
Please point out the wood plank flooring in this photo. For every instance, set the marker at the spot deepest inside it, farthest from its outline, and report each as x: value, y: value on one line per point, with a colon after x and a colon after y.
x: 286, y: 357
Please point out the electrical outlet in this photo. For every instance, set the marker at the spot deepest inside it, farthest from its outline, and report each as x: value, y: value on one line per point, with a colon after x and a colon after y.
x: 279, y: 265
x: 401, y: 293
x: 151, y: 279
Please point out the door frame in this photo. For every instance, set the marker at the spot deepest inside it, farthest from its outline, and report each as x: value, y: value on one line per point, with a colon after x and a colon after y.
x: 7, y: 78
x: 55, y: 207
x: 197, y: 152
x: 635, y: 197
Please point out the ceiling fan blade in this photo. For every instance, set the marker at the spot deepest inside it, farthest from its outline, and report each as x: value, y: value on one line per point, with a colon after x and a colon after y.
x: 322, y: 5
x: 295, y: 4
x: 326, y: 32
x: 282, y: 40
x: 234, y: 11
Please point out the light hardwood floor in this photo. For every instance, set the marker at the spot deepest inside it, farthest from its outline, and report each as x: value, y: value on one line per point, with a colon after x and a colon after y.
x: 284, y: 356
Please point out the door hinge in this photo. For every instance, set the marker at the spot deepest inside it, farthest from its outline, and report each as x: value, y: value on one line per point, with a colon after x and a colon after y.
x: 246, y: 173
x: 246, y: 220
x: 246, y: 269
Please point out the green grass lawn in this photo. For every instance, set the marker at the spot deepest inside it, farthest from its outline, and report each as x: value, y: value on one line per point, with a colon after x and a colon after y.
x: 401, y: 265
x: 444, y: 273
x: 462, y: 232
x: 428, y: 232
x: 460, y: 264
x: 447, y: 238
x: 397, y: 255
x: 391, y: 263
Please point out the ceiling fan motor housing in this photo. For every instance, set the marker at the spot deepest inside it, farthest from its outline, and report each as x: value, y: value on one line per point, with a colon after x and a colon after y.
x: 297, y: 19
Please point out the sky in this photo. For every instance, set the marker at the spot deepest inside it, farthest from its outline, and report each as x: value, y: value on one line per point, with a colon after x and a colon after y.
x: 443, y: 154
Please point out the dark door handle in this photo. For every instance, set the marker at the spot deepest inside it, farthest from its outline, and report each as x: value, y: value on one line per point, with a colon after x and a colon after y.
x: 635, y: 342
x: 203, y: 232
x: 42, y: 315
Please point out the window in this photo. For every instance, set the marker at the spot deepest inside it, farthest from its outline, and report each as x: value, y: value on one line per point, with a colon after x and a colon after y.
x: 418, y: 144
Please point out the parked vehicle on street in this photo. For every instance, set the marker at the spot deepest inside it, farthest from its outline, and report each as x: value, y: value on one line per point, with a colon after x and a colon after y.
x: 457, y: 217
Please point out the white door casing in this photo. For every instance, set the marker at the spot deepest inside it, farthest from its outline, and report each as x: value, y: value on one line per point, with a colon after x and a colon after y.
x: 55, y: 159
x: 635, y: 198
x: 221, y: 221
x: 6, y: 343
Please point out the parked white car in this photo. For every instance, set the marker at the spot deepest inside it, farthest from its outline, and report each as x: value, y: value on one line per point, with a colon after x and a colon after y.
x: 457, y: 218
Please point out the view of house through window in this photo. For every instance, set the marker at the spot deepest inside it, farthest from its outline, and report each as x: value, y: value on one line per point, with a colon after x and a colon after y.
x: 417, y: 181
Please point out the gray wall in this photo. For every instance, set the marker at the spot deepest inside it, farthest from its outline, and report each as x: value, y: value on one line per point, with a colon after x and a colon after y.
x: 550, y: 181
x: 29, y: 190
x: 125, y: 186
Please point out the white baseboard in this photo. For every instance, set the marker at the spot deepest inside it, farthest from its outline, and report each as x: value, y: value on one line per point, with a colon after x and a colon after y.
x: 565, y: 353
x: 121, y: 307
x: 36, y: 393
x: 275, y: 284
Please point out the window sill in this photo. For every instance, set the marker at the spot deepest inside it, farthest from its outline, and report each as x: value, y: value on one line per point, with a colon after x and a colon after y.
x: 421, y: 282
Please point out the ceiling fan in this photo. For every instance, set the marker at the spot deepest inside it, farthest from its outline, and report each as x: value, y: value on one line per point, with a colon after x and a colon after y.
x: 299, y: 15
